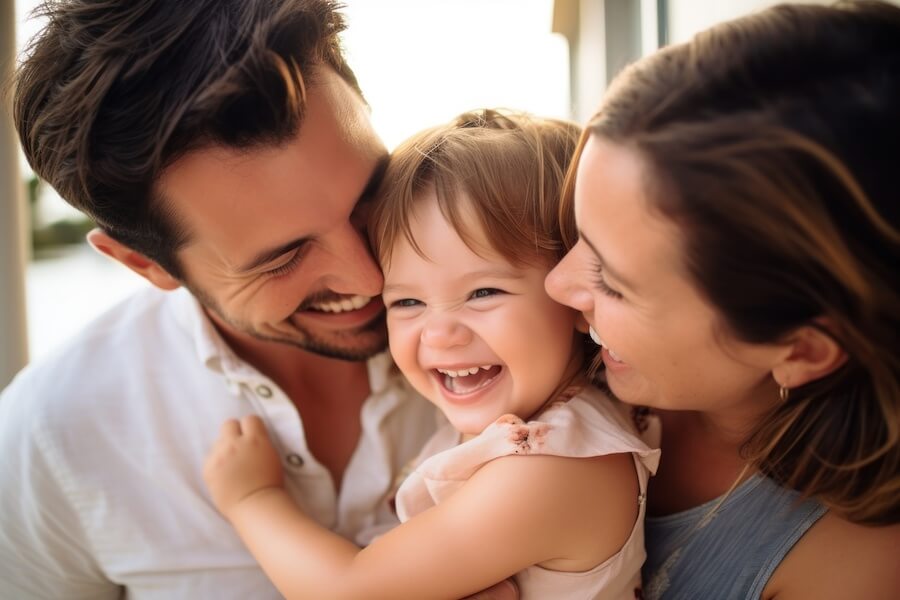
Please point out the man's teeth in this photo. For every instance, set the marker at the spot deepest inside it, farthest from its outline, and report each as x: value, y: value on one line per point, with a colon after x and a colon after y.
x: 343, y: 305
x: 463, y: 372
x: 599, y: 342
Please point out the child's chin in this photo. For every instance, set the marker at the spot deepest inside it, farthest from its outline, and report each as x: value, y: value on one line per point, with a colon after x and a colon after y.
x: 469, y: 426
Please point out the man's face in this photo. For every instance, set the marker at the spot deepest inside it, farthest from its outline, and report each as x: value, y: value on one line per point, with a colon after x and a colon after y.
x: 277, y: 248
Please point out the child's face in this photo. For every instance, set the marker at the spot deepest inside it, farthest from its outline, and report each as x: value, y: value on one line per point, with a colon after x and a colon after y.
x: 456, y: 313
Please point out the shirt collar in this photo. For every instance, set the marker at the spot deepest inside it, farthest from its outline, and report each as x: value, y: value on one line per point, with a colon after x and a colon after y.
x: 209, y: 346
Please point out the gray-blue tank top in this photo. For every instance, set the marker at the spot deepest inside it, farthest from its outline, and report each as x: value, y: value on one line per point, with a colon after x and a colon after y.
x: 732, y: 555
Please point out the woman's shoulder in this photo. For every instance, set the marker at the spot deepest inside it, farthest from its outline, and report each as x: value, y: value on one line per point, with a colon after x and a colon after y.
x: 840, y: 559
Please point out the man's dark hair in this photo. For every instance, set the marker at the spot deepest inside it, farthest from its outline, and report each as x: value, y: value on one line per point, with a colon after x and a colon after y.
x: 112, y: 92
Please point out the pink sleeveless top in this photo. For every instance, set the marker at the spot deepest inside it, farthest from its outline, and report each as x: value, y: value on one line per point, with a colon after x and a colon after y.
x: 587, y: 425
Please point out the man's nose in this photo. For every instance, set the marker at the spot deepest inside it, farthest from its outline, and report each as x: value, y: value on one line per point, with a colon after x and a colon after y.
x: 355, y: 271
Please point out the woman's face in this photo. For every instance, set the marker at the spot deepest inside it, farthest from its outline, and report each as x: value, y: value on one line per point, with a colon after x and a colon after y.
x: 662, y: 343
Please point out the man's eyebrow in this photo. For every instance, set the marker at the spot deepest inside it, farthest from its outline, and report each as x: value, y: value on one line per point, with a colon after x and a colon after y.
x: 267, y: 256
x: 615, y: 274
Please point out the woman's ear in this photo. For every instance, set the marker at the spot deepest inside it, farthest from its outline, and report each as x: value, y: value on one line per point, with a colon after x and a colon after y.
x: 137, y: 262
x: 813, y: 354
x: 581, y: 324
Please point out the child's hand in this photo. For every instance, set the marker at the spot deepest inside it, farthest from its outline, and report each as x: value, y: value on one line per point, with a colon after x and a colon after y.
x: 243, y: 462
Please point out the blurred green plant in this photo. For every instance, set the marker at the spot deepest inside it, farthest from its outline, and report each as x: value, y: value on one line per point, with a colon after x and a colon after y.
x: 49, y: 238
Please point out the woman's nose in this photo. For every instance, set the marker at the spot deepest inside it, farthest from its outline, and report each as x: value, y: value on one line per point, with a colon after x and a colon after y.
x: 565, y: 286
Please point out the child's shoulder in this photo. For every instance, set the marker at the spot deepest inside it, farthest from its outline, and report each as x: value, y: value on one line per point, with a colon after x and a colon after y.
x: 591, y: 418
x: 588, y: 503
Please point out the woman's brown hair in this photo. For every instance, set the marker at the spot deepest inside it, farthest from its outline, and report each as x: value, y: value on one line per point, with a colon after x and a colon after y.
x: 772, y: 142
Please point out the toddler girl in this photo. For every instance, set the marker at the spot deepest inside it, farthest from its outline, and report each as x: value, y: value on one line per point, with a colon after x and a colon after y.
x: 538, y: 474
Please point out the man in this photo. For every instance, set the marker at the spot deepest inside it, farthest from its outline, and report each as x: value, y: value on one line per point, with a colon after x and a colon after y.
x: 226, y: 155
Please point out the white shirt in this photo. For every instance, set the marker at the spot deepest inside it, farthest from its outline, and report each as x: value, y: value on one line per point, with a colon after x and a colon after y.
x: 101, y: 453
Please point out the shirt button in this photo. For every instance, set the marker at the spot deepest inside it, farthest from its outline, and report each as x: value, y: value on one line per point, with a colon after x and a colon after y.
x: 264, y: 391
x: 295, y: 460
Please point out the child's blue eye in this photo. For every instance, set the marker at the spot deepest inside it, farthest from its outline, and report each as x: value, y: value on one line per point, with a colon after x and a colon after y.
x: 485, y: 293
x: 405, y: 303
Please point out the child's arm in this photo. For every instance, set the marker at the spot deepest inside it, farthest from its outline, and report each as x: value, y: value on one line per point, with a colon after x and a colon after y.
x: 513, y: 513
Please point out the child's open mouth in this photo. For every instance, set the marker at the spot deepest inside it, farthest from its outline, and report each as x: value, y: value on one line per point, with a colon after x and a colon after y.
x: 467, y: 380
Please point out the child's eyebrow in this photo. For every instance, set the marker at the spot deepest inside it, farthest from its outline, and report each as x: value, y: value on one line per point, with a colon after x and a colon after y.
x: 388, y: 288
x: 494, y: 274
x: 507, y: 274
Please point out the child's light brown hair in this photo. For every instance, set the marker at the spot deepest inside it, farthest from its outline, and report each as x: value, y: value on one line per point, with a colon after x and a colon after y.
x: 509, y: 166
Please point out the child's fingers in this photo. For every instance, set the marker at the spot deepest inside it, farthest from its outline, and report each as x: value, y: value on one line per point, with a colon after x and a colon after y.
x: 253, y: 425
x: 230, y: 429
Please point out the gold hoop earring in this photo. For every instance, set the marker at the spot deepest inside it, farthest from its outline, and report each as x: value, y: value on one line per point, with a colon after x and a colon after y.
x: 784, y: 393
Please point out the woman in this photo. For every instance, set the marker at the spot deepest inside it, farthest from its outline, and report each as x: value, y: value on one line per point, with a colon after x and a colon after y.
x: 737, y: 259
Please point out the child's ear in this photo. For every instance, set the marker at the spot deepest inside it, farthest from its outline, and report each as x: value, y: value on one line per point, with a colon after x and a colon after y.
x: 813, y: 354
x: 137, y: 262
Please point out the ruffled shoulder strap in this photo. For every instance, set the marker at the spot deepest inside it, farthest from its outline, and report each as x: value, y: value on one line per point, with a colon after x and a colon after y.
x: 586, y: 425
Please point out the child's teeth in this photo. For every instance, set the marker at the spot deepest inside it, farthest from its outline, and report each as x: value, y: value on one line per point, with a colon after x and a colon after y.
x: 463, y: 372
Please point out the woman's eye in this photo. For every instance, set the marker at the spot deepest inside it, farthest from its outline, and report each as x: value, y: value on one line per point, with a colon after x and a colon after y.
x: 485, y: 293
x: 601, y: 284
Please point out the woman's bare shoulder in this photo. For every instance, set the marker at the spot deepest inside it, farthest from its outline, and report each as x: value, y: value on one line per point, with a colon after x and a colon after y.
x: 839, y: 559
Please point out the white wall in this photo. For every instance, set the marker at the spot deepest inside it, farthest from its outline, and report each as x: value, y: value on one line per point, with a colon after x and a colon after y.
x: 687, y: 17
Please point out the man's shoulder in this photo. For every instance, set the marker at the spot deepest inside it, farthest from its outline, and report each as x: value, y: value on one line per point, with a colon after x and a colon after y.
x: 141, y: 328
x: 135, y: 321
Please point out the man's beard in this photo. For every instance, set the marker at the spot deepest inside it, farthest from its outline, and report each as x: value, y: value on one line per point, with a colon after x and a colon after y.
x: 374, y: 336
x: 365, y: 341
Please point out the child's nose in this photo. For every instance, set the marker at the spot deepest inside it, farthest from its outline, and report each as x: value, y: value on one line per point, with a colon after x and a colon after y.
x: 445, y: 332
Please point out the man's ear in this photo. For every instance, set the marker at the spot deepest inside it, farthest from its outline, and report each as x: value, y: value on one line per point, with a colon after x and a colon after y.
x: 137, y: 262
x: 813, y: 355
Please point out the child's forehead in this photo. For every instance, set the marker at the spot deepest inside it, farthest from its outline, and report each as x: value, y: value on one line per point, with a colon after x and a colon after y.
x: 433, y: 229
x: 464, y: 221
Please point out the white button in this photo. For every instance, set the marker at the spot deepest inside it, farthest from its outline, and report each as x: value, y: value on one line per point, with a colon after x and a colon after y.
x: 264, y: 391
x: 295, y: 460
